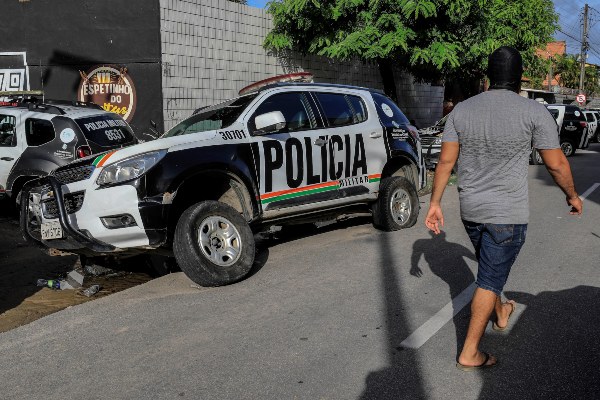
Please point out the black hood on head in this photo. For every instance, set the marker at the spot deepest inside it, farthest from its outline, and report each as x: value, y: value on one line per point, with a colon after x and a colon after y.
x: 505, y: 67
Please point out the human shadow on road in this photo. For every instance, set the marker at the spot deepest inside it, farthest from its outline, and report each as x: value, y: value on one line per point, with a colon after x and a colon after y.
x: 446, y: 261
x: 552, y: 352
x: 402, y: 378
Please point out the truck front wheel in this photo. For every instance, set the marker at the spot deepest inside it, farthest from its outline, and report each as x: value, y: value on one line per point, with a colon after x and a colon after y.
x: 213, y: 244
x: 397, y: 206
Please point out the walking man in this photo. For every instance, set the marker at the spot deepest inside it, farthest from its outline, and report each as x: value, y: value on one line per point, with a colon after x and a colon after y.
x: 493, y: 133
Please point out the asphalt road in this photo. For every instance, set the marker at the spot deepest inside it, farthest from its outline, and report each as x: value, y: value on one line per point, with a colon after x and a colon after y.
x: 326, y: 316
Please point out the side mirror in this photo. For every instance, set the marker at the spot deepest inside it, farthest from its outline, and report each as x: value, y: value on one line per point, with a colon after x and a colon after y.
x: 270, y: 122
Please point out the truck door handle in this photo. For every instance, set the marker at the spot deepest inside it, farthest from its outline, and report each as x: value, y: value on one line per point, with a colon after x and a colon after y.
x: 320, y: 141
x: 375, y: 135
x: 6, y: 158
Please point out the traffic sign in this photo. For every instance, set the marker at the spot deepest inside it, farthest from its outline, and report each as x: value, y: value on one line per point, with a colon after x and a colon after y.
x: 581, y: 99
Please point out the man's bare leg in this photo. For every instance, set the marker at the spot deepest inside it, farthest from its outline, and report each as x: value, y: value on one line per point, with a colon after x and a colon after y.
x: 503, y: 310
x: 482, y: 305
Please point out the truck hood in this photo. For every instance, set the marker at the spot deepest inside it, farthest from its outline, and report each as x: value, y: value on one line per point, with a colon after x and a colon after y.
x: 155, y: 145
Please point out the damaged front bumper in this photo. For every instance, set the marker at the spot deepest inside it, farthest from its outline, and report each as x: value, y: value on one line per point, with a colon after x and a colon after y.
x: 76, y: 219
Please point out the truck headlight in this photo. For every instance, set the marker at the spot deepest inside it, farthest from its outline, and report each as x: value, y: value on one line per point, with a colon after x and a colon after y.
x: 129, y: 169
x: 438, y: 140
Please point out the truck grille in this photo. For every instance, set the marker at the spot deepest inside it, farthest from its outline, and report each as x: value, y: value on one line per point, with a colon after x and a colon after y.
x: 74, y: 174
x: 73, y: 203
x: 427, y: 140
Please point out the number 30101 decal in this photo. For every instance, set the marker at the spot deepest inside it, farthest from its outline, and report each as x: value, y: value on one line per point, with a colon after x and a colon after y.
x: 232, y: 135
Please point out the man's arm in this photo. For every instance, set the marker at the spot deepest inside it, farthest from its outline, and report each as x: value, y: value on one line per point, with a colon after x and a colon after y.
x: 559, y: 168
x: 448, y: 157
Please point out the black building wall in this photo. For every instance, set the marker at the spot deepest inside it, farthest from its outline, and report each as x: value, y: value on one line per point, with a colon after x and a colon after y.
x: 63, y: 37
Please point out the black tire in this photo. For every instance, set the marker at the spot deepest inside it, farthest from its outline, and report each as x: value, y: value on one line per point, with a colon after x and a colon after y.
x: 386, y: 216
x: 203, y: 258
x: 536, y: 158
x: 597, y: 135
x: 568, y: 148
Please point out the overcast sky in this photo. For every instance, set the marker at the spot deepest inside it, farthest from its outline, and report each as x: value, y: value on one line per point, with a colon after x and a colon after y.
x: 570, y: 12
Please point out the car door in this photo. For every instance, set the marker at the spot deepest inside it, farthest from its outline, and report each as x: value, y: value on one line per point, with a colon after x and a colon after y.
x: 559, y: 115
x: 291, y: 162
x: 591, y: 120
x: 357, y: 152
x: 594, y: 122
x: 11, y: 144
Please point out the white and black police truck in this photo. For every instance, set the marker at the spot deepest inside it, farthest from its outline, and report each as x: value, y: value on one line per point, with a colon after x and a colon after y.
x: 285, y: 154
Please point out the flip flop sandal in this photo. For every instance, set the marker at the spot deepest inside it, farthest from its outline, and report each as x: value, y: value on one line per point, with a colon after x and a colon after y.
x: 483, y: 365
x: 499, y: 328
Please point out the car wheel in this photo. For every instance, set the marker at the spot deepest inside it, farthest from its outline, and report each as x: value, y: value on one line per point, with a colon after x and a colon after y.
x: 213, y: 244
x: 597, y: 136
x: 397, y: 206
x: 536, y: 158
x: 568, y: 148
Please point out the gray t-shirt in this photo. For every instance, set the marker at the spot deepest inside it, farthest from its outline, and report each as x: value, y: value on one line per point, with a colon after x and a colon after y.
x: 496, y: 130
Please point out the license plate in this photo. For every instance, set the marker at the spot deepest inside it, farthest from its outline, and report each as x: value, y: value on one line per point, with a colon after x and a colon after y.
x: 51, y: 230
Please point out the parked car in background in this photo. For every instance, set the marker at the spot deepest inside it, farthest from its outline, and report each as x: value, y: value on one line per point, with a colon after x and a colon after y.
x: 37, y: 137
x: 573, y: 127
x: 431, y: 142
x: 595, y: 137
x: 592, y: 120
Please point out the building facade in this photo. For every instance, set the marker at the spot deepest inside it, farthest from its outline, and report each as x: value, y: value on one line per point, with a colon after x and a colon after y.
x: 156, y: 61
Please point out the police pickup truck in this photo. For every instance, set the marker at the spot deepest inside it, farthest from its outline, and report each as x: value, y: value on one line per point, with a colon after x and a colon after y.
x: 285, y: 154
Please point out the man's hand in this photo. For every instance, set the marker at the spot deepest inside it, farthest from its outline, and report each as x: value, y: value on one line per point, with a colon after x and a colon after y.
x: 558, y: 166
x: 435, y: 218
x: 576, y: 205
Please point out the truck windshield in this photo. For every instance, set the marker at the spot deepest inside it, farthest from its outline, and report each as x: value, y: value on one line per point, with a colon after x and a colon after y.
x: 213, y: 117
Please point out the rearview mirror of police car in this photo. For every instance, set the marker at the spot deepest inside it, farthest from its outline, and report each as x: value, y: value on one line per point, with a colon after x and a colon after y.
x: 270, y: 122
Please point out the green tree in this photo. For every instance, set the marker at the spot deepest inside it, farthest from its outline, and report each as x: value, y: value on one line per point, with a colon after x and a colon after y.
x: 569, y: 68
x: 434, y: 40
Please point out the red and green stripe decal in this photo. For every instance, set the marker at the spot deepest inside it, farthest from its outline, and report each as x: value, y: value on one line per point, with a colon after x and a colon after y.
x: 374, y: 178
x: 102, y: 158
x: 307, y: 190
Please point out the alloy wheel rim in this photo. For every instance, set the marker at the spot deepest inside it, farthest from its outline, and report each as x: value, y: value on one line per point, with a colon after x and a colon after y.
x: 220, y: 241
x: 400, y: 206
x: 567, y: 148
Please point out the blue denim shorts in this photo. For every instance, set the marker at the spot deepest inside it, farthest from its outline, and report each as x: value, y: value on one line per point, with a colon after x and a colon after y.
x: 496, y: 248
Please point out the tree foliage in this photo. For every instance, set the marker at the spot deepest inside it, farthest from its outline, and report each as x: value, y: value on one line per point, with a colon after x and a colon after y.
x: 432, y: 39
x: 569, y: 68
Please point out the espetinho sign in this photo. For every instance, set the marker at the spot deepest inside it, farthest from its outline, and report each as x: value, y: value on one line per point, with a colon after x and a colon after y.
x: 111, y: 88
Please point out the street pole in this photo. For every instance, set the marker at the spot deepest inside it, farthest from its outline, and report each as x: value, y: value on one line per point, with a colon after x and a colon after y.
x: 550, y: 74
x: 584, y: 36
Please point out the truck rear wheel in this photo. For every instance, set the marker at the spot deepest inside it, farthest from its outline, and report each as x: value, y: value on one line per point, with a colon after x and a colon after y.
x: 213, y: 244
x: 567, y: 147
x: 397, y: 206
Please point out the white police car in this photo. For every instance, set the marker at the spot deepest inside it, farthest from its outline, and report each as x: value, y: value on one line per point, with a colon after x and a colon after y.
x: 37, y: 137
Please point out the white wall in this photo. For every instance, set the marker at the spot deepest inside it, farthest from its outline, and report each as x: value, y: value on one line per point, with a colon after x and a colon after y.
x: 213, y: 48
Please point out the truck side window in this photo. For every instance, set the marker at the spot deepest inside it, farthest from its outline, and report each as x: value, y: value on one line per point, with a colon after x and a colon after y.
x: 38, y: 131
x: 294, y: 106
x: 8, y: 133
x: 342, y: 109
